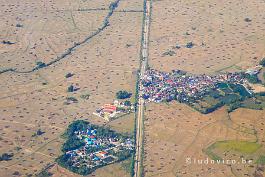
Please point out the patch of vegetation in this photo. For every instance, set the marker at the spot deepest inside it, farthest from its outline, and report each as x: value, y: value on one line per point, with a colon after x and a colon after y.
x: 39, y: 132
x: 261, y: 160
x: 234, y: 96
x: 71, y: 100
x: 123, y: 94
x: 239, y: 146
x: 177, y: 46
x: 243, y: 147
x: 247, y: 19
x: 68, y: 75
x: 71, y: 88
x: 169, y: 53
x: 16, y: 173
x: 209, y: 151
x: 40, y: 64
x: 127, y: 103
x: 6, y: 157
x: 252, y: 78
x: 85, y: 96
x: 19, y: 25
x: 252, y: 104
x: 7, y: 42
x: 189, y: 45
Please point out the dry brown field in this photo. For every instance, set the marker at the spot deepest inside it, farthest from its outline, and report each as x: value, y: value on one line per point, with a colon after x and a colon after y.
x: 227, y: 35
x: 103, y: 65
x: 175, y: 132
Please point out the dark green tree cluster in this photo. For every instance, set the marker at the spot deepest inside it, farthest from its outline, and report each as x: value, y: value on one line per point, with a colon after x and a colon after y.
x: 38, y: 133
x: 73, y: 142
x: 40, y: 64
x: 189, y: 45
x: 252, y: 78
x: 7, y: 42
x: 6, y: 157
x: 127, y: 103
x: 71, y: 88
x: 123, y: 94
x: 68, y: 75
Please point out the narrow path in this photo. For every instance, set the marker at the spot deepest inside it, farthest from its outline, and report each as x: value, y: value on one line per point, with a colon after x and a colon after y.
x: 69, y: 51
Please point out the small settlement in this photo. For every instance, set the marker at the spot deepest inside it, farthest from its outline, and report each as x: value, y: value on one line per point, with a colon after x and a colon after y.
x: 98, y: 151
x: 111, y: 111
x: 178, y: 85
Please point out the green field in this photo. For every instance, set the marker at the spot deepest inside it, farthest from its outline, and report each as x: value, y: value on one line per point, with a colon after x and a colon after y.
x: 261, y: 160
x: 242, y: 147
x: 245, y: 147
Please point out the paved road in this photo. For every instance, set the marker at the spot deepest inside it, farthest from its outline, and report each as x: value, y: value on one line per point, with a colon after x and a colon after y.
x: 139, y: 120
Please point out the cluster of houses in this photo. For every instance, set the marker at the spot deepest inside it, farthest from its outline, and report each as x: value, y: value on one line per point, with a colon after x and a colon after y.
x: 97, y: 151
x: 162, y: 86
x: 254, y: 70
x: 111, y: 111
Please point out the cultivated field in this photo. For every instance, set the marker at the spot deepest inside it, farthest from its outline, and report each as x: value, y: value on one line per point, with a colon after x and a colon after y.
x: 227, y: 35
x: 30, y: 100
x: 175, y: 132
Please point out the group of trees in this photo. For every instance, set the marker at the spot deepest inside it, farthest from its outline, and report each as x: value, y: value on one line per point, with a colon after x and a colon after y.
x: 252, y: 78
x: 69, y: 75
x: 6, y: 157
x: 85, y: 96
x: 234, y: 95
x: 71, y: 88
x: 123, y: 94
x: 189, y: 45
x: 38, y: 133
x: 40, y: 64
x: 7, y: 42
x: 127, y: 103
x: 73, y: 142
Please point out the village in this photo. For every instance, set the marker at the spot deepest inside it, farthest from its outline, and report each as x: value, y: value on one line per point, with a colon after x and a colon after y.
x: 178, y: 85
x: 98, y: 150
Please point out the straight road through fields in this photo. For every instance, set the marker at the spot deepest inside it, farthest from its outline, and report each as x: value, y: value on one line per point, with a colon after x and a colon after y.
x: 143, y: 66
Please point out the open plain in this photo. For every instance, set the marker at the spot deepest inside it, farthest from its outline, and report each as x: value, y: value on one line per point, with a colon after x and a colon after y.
x: 95, y: 46
x: 175, y: 132
x: 104, y: 44
x: 226, y: 35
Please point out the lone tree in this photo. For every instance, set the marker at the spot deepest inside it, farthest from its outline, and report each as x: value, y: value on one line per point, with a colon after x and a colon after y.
x: 68, y: 75
x: 247, y: 19
x: 71, y: 88
x: 127, y: 103
x: 189, y: 45
x: 123, y: 94
x: 262, y: 62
